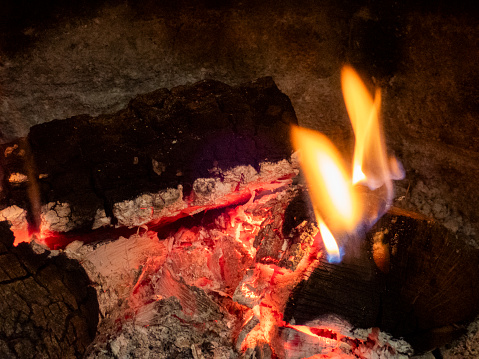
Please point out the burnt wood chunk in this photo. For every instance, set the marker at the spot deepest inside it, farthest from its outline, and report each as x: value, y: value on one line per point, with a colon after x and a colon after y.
x: 47, y: 308
x: 162, y: 140
x: 412, y: 278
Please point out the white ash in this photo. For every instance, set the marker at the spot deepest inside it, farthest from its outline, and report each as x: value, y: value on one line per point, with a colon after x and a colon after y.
x: 77, y: 249
x: 207, y: 189
x: 309, y: 346
x: 39, y: 248
x: 168, y: 338
x: 210, y: 192
x: 115, y: 265
x: 386, y: 346
x: 58, y: 217
x: 245, y: 330
x: 466, y: 347
x: 373, y: 344
x: 249, y: 292
x: 101, y: 219
x: 149, y: 206
x: 431, y: 200
x: 16, y: 216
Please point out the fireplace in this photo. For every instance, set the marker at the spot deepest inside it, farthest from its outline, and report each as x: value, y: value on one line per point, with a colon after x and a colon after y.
x: 175, y: 239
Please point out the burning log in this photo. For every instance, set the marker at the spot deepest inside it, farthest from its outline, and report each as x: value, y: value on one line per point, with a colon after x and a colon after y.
x: 412, y: 278
x: 169, y: 154
x: 185, y: 213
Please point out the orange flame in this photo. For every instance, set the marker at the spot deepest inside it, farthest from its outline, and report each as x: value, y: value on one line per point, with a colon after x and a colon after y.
x: 332, y: 248
x: 371, y: 165
x: 330, y: 188
x: 337, y: 204
x: 332, y: 194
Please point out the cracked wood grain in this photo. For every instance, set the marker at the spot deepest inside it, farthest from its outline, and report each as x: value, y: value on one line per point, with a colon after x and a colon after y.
x: 47, y: 309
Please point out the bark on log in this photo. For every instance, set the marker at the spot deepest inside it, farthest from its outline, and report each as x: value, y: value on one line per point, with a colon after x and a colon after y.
x: 47, y: 309
x: 76, y: 171
x: 164, y: 139
x: 412, y: 278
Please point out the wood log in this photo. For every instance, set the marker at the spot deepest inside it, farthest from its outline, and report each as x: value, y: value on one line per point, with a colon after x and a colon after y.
x: 47, y: 307
x: 411, y: 278
x: 168, y: 153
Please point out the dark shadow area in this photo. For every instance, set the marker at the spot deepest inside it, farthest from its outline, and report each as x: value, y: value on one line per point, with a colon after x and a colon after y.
x: 19, y: 17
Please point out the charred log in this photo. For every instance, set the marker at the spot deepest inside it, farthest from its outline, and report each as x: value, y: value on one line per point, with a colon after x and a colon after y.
x: 47, y: 308
x: 412, y: 278
x: 80, y: 173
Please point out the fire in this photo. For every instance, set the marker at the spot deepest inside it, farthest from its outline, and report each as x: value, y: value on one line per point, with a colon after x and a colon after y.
x: 334, y: 192
x: 371, y: 164
x: 330, y: 187
x: 335, y: 202
x: 334, y: 255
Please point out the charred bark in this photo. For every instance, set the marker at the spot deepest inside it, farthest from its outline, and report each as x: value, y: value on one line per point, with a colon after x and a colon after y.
x: 82, y: 166
x: 412, y: 278
x: 47, y: 309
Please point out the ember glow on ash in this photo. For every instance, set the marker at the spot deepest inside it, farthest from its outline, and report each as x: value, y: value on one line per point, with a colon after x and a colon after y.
x: 334, y: 192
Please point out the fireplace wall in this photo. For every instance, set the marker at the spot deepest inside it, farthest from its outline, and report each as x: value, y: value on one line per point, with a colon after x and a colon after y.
x: 60, y: 60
